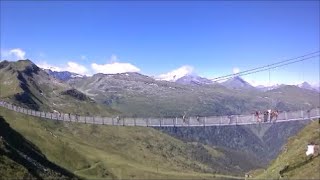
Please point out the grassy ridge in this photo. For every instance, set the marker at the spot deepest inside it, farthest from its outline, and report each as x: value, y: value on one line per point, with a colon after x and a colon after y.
x: 92, y: 151
x: 292, y: 163
x: 26, y: 85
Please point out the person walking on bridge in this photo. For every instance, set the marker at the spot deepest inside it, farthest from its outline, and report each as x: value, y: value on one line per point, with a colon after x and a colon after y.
x: 265, y: 116
x: 257, y: 115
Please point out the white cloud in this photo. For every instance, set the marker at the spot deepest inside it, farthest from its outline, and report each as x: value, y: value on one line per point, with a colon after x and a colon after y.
x: 235, y: 70
x: 113, y: 68
x: 109, y: 68
x: 45, y: 65
x: 257, y: 82
x: 13, y: 54
x: 70, y: 66
x: 76, y: 68
x: 19, y: 53
x: 176, y: 73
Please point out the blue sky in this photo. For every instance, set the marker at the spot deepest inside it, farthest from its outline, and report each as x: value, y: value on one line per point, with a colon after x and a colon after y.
x: 155, y: 38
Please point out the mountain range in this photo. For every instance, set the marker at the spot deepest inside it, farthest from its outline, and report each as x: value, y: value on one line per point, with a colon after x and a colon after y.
x: 134, y: 94
x: 192, y: 79
x: 226, y: 150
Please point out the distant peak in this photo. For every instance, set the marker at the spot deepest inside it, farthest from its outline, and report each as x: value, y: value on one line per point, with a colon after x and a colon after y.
x: 238, y: 78
x: 25, y: 61
x: 305, y: 83
x: 237, y: 83
x: 193, y: 79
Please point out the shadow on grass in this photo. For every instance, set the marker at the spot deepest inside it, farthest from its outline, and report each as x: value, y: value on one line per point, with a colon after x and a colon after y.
x: 27, y: 154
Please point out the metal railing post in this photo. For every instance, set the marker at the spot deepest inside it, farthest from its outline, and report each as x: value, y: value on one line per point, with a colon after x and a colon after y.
x: 285, y: 115
x: 302, y: 114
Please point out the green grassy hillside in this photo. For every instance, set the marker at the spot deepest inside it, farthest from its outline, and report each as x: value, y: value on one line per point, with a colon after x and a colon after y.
x: 25, y: 84
x: 292, y: 163
x: 21, y: 159
x: 96, y: 152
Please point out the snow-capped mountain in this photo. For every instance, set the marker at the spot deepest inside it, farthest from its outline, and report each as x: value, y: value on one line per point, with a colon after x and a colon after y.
x: 63, y: 75
x: 267, y: 88
x: 306, y: 85
x: 193, y: 80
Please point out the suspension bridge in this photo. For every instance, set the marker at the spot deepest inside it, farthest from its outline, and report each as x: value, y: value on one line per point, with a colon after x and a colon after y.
x: 230, y: 120
x: 197, y: 121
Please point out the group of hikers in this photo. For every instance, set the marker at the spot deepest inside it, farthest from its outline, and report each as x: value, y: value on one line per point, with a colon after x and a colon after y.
x: 271, y: 115
x: 60, y: 115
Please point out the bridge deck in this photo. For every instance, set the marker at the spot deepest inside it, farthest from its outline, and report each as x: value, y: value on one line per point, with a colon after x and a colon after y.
x: 167, y: 122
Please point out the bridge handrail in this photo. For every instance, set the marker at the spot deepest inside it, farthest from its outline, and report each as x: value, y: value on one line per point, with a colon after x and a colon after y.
x: 171, y: 121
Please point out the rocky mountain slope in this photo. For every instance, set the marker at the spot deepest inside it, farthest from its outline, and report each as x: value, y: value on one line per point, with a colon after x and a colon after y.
x: 237, y: 83
x: 139, y: 95
x: 193, y: 80
x: 62, y: 75
x: 135, y: 94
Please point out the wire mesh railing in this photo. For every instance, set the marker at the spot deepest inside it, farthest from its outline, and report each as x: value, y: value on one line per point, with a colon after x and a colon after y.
x: 168, y: 122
